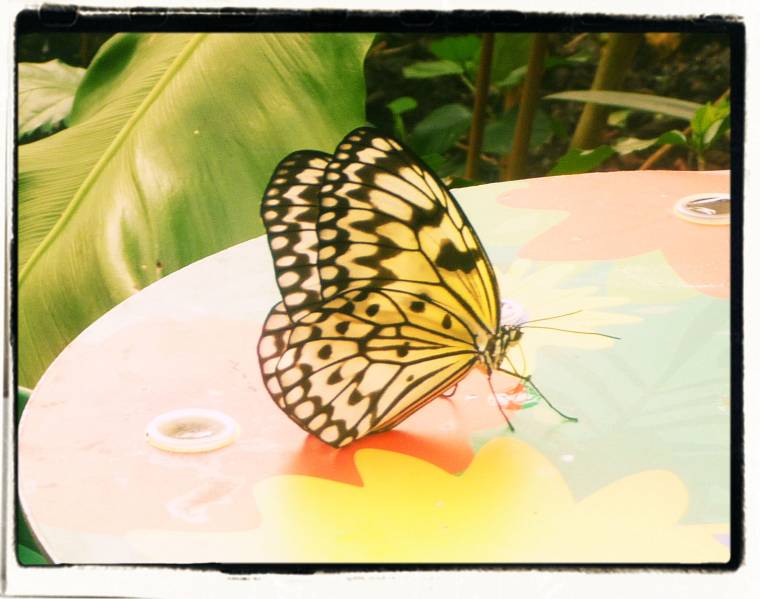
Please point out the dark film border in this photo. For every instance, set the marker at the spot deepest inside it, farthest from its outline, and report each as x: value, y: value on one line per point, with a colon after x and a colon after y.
x: 66, y: 18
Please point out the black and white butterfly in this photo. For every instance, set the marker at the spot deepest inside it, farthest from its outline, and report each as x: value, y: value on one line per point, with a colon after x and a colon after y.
x: 388, y: 297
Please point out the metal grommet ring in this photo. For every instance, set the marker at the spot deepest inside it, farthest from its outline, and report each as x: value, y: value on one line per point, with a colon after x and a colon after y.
x: 705, y: 208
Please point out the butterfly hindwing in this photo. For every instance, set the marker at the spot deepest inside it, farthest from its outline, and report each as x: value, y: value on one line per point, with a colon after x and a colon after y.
x: 387, y: 221
x: 272, y: 344
x: 360, y: 363
x: 289, y: 210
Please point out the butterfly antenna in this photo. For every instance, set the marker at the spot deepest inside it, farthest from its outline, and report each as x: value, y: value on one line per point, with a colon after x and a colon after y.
x: 501, y: 408
x: 552, y: 317
x: 571, y: 331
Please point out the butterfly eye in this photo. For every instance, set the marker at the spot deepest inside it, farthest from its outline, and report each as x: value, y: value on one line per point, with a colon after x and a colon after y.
x: 513, y: 313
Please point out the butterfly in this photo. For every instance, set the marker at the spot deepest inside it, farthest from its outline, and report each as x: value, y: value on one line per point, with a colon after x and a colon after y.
x: 388, y: 297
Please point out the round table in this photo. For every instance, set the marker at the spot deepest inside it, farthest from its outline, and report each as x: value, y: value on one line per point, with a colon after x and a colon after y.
x: 642, y: 477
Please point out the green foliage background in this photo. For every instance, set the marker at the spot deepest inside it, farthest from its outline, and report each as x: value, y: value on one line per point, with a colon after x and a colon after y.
x: 171, y: 141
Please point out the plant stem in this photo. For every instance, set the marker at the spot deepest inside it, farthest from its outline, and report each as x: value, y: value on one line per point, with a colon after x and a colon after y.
x: 616, y: 58
x: 513, y: 166
x: 663, y: 150
x: 482, y: 84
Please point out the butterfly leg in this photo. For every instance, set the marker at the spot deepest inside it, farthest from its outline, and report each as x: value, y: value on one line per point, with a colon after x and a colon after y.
x: 498, y: 404
x: 527, y: 379
x: 450, y: 391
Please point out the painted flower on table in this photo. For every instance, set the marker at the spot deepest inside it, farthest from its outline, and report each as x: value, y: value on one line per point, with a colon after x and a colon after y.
x: 440, y: 432
x: 624, y: 214
x: 510, y: 505
x: 557, y: 304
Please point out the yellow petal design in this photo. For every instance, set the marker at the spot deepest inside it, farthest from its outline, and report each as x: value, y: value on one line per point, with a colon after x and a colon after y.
x: 540, y: 288
x: 510, y: 505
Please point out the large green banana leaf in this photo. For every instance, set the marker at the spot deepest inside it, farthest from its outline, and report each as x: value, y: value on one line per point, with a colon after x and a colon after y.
x: 172, y: 140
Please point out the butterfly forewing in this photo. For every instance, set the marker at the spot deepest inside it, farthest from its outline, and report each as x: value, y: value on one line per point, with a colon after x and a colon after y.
x: 289, y: 210
x: 386, y: 221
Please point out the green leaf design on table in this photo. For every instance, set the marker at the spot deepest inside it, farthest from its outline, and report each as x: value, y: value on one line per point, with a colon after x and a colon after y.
x: 642, y: 409
x: 173, y: 138
x: 45, y: 96
x: 648, y: 279
x: 680, y: 109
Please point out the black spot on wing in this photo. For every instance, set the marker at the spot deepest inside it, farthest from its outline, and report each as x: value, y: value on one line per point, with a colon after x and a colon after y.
x: 452, y: 259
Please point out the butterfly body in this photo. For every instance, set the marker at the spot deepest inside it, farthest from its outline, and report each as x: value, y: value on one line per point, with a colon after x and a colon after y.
x: 388, y: 296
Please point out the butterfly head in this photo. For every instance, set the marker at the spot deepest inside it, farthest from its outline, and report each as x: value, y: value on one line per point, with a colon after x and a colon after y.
x: 505, y: 338
x: 509, y: 333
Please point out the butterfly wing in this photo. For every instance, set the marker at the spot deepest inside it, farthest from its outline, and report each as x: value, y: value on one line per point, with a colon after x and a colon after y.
x: 362, y: 362
x: 289, y: 210
x: 388, y: 296
x: 386, y: 221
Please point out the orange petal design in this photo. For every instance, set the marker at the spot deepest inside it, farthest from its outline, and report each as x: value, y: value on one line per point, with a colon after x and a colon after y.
x: 625, y: 214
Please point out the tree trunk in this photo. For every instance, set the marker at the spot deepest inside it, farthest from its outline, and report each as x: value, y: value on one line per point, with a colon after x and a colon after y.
x: 514, y: 166
x: 482, y: 85
x: 616, y: 59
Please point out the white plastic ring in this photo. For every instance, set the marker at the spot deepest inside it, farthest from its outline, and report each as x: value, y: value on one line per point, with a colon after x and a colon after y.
x: 688, y: 209
x: 192, y: 430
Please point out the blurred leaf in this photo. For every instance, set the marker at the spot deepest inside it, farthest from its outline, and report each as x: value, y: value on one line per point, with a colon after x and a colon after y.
x: 29, y: 557
x: 673, y: 137
x: 45, y: 95
x: 30, y: 552
x: 498, y: 134
x: 432, y: 68
x: 26, y: 540
x: 434, y: 161
x: 708, y: 122
x: 441, y: 129
x: 456, y: 48
x: 582, y: 57
x: 510, y: 51
x: 397, y: 108
x: 402, y: 105
x: 633, y: 144
x: 581, y: 161
x: 22, y: 397
x: 618, y: 118
x: 459, y: 182
x: 514, y: 78
x: 559, y: 128
x: 172, y: 142
x: 665, y: 43
x: 681, y: 109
